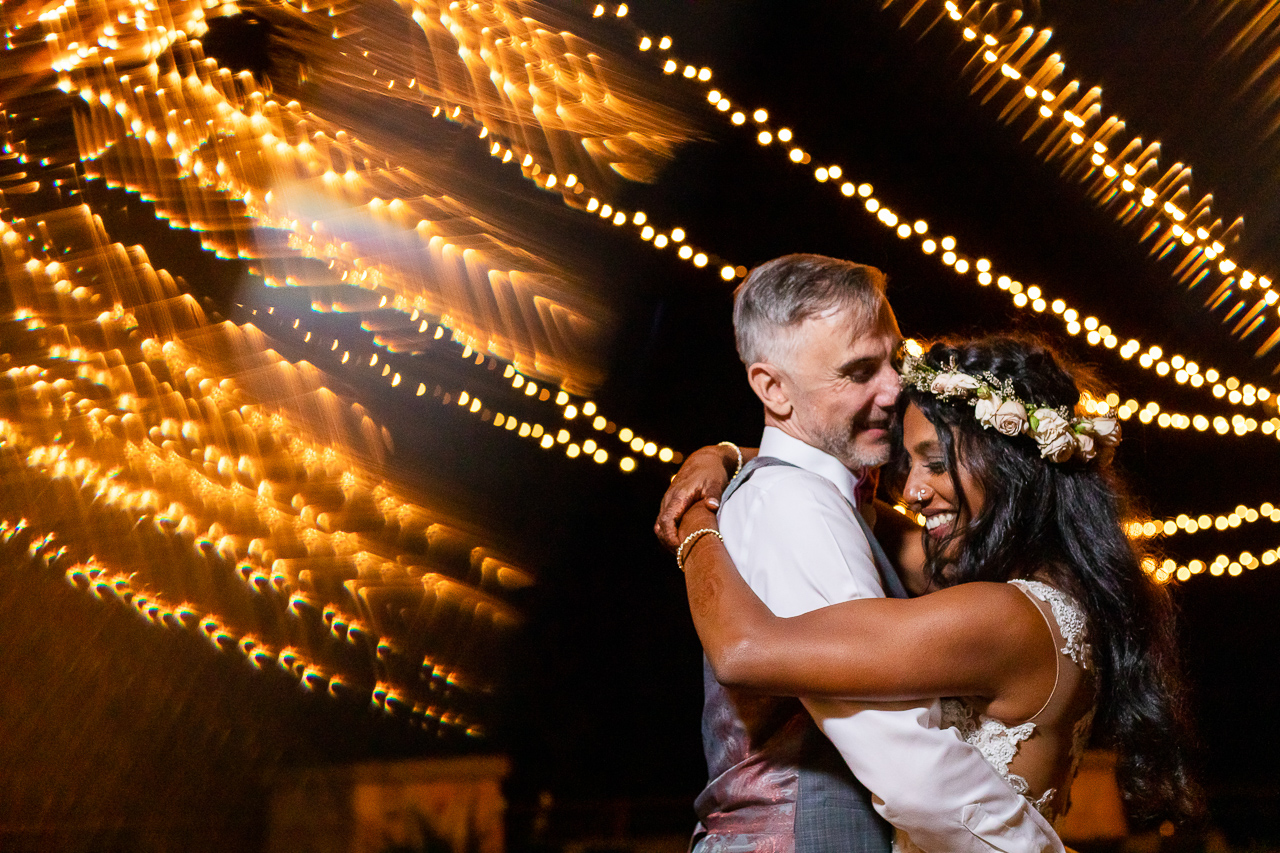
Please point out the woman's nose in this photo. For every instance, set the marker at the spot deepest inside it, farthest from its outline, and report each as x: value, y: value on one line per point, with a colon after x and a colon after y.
x: 917, y: 492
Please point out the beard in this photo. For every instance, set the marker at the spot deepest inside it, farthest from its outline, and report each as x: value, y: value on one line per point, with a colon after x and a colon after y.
x: 851, y: 446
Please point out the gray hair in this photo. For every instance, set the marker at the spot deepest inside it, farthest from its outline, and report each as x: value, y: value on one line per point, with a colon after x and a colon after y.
x: 780, y: 294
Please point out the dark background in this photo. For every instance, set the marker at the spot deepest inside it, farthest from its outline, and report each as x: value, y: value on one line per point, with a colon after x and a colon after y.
x: 604, y: 689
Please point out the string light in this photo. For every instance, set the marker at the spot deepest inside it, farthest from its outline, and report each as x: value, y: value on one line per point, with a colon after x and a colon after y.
x: 1031, y: 298
x: 1164, y: 571
x: 1124, y: 173
x: 571, y: 408
x: 1195, y: 524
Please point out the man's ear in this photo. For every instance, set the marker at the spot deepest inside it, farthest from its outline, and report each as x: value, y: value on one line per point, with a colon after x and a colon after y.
x: 768, y: 383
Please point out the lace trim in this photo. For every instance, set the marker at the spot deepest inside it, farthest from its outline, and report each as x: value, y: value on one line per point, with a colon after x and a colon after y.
x: 998, y: 742
x: 1069, y: 616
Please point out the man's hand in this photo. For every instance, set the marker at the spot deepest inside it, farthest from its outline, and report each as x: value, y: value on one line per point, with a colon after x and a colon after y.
x: 703, y: 476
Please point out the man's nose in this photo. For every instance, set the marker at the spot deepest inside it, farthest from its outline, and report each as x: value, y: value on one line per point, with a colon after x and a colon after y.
x: 890, y: 386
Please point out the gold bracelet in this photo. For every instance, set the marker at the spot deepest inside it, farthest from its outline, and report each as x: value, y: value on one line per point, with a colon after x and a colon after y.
x: 736, y: 450
x: 691, y: 540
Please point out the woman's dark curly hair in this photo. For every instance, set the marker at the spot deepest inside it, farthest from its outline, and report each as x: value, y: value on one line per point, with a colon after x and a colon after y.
x: 1063, y: 523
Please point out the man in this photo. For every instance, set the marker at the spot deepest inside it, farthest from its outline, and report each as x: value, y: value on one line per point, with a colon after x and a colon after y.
x: 818, y: 339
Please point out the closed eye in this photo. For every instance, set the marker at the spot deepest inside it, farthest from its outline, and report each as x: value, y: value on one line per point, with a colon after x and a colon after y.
x: 861, y: 371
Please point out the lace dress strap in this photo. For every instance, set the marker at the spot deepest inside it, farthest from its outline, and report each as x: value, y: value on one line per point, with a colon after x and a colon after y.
x: 1070, y: 618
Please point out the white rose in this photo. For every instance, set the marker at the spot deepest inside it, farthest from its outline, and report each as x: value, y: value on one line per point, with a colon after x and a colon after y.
x: 1053, y: 434
x: 984, y: 409
x: 1049, y: 423
x: 1107, y: 431
x: 1057, y: 447
x: 951, y: 384
x: 1085, y: 446
x: 1010, y: 418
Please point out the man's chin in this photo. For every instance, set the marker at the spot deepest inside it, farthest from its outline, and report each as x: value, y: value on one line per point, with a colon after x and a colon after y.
x: 869, y: 449
x: 870, y: 455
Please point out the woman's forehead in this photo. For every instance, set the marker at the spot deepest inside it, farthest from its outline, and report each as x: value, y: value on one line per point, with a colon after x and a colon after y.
x: 917, y: 430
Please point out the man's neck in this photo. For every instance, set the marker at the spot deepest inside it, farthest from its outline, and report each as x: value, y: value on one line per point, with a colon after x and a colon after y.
x: 790, y: 448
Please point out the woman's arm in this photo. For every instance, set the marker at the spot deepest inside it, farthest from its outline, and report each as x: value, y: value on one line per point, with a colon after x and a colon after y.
x: 702, y: 477
x: 977, y: 639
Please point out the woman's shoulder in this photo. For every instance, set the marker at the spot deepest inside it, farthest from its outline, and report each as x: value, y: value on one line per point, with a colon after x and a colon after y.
x: 1002, y: 610
x: 1067, y: 613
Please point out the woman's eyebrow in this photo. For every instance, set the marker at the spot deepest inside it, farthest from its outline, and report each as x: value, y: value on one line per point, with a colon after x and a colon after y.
x: 923, y: 448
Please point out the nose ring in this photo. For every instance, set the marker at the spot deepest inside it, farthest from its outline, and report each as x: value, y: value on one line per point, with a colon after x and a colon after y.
x: 919, y: 494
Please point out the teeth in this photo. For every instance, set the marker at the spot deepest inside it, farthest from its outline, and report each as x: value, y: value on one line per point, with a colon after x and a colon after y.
x: 935, y: 521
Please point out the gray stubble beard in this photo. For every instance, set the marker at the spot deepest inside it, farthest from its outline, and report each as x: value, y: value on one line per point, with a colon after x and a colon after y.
x: 843, y: 446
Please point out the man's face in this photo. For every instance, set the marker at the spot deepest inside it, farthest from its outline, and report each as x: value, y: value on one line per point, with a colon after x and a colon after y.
x: 843, y: 386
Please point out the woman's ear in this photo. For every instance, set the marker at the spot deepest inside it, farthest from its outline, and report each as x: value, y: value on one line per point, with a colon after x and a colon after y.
x: 771, y: 387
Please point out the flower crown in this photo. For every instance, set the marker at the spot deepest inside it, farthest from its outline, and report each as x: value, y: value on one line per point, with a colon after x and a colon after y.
x: 1059, y: 433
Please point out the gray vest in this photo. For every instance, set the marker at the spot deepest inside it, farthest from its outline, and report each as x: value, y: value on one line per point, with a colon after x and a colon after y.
x: 764, y: 753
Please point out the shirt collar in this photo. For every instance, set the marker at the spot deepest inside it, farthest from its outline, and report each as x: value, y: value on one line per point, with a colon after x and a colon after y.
x: 779, y: 445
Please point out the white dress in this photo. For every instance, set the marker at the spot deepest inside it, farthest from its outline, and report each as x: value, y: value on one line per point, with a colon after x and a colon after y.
x: 999, y: 742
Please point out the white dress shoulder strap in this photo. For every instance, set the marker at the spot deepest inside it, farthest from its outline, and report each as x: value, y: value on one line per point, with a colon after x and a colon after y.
x: 1070, y: 617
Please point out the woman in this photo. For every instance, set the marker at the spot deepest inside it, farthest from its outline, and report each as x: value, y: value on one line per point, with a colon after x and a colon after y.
x: 1042, y: 618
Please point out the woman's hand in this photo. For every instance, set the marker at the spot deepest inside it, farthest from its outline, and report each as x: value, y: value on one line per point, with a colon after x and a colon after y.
x: 697, y: 517
x: 702, y: 477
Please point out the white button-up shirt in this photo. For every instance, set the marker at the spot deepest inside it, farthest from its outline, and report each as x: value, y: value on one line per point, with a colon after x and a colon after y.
x: 793, y: 538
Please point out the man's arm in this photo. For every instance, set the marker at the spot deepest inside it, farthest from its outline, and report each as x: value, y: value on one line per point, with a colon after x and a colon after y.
x: 800, y: 549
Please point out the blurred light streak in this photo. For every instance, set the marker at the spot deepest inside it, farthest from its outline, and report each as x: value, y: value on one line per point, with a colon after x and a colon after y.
x: 263, y: 180
x: 1122, y: 173
x: 510, y: 68
x: 186, y: 470
x: 219, y: 154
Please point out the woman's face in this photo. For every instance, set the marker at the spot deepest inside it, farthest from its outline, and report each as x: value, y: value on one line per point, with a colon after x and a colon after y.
x: 929, y: 489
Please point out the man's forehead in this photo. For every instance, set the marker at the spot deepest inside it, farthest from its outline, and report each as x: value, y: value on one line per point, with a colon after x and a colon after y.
x: 876, y: 338
x: 856, y: 320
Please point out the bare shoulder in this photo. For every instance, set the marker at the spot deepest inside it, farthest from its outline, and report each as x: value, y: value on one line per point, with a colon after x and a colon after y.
x: 999, y: 613
x: 1002, y: 599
